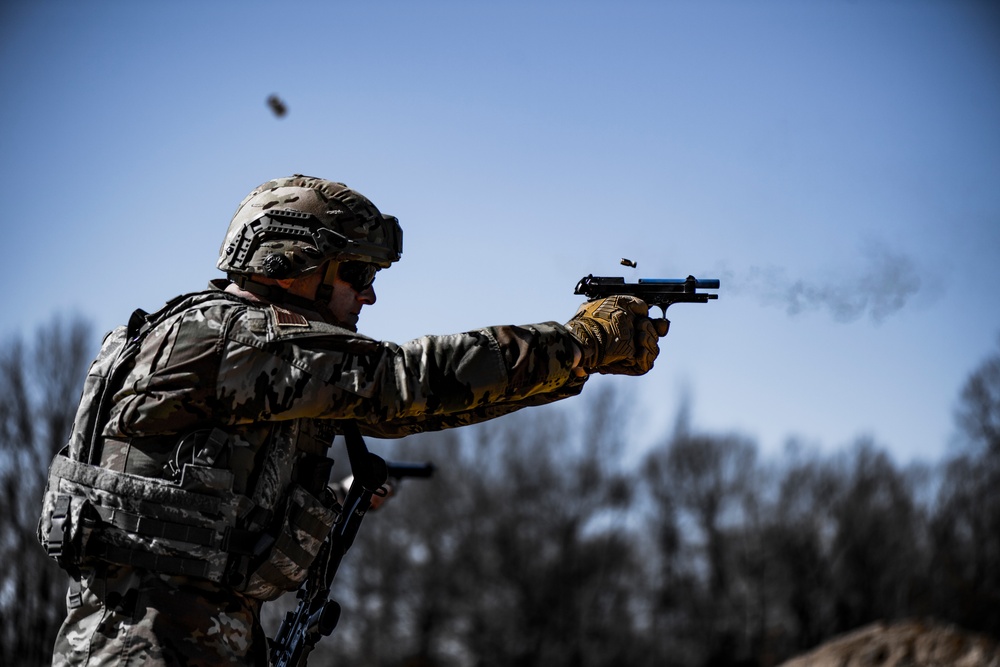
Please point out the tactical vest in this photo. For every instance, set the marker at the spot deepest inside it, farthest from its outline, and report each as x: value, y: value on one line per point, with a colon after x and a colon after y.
x: 192, y: 524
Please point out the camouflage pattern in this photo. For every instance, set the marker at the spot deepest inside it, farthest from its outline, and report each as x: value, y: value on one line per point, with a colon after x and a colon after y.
x: 129, y: 618
x: 344, y: 225
x: 275, y: 383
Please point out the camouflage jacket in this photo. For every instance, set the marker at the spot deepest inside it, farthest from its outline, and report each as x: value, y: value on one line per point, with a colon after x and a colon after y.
x: 227, y: 413
x: 235, y: 364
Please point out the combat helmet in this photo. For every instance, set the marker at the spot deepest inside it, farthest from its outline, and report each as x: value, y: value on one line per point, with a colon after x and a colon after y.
x: 291, y: 226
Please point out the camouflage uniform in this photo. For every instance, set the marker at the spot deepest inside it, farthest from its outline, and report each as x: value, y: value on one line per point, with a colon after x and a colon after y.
x: 272, y: 384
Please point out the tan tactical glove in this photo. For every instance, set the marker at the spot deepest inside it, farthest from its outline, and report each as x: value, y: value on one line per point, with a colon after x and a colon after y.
x: 616, y: 335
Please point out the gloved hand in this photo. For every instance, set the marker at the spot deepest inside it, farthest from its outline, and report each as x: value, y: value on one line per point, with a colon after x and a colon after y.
x: 616, y: 335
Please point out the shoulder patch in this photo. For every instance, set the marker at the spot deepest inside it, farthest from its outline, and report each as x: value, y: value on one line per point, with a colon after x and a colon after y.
x: 286, y: 318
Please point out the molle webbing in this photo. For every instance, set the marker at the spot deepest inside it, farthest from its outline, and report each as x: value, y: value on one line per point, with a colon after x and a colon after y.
x: 143, y: 490
x: 147, y: 523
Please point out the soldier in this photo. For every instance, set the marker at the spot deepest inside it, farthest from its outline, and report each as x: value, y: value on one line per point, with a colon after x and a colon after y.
x: 194, y: 484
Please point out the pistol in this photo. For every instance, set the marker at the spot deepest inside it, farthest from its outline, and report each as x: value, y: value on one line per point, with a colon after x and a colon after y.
x: 661, y: 292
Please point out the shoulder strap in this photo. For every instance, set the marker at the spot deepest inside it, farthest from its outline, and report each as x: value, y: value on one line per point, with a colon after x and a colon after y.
x: 140, y: 323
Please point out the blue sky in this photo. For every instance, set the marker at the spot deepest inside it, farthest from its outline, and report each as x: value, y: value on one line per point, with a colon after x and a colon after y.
x: 836, y: 164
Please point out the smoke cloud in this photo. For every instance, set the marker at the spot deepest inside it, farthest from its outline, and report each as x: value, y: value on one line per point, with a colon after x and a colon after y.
x: 884, y: 284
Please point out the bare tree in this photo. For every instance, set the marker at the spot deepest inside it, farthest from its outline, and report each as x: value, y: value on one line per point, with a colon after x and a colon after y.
x: 39, y: 390
x: 978, y: 413
x: 556, y: 545
x: 797, y: 534
x: 877, y: 554
x: 706, y: 495
x: 966, y: 527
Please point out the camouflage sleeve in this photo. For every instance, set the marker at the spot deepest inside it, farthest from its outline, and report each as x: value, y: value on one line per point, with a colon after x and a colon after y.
x: 430, y: 376
x: 462, y: 372
x: 256, y: 365
x: 385, y: 383
x: 402, y: 427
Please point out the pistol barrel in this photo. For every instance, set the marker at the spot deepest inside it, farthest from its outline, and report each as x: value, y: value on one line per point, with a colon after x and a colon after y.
x: 707, y: 283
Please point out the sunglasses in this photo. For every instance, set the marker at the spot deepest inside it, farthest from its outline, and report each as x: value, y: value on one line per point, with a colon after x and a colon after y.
x: 359, y: 275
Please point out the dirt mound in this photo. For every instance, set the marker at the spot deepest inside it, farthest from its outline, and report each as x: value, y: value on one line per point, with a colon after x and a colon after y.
x: 903, y: 644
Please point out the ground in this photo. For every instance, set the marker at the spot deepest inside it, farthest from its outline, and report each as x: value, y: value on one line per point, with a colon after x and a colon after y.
x: 904, y: 644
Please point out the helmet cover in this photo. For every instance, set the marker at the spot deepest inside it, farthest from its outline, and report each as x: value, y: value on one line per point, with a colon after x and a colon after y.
x: 291, y: 226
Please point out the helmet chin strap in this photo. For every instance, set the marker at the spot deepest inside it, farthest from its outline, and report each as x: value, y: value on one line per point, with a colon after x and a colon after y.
x: 325, y: 289
x: 321, y: 300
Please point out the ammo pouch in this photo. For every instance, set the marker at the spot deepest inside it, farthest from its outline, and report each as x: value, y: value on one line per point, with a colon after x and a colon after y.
x: 89, y: 513
x: 306, y: 524
x: 92, y: 514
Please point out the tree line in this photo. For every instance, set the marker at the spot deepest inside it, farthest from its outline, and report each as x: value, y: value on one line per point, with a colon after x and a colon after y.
x: 537, y: 543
